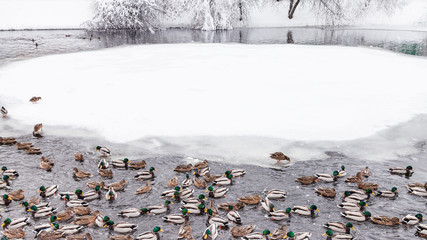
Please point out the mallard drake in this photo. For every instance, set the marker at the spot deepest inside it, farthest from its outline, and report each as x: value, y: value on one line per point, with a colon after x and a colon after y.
x: 217, y: 220
x: 177, y: 218
x: 233, y: 215
x: 276, y: 194
x: 14, y: 233
x: 9, y: 172
x: 408, y: 171
x: 173, y: 182
x: 70, y: 229
x: 107, y: 173
x: 183, y: 168
x: 7, y: 141
x: 412, y: 220
x: 138, y: 165
x: 93, y: 185
x: 279, y: 156
x: 366, y: 172
x: 186, y: 193
x: 78, y: 194
x: 121, y: 237
x: 267, y: 205
x: 111, y: 194
x: 104, y: 151
x: 103, y: 164
x: 357, y: 215
x: 15, y: 223
x: 350, y: 206
x: 298, y: 236
x: 279, y: 233
x: 17, y: 195
x: 133, y: 212
x: 367, y: 185
x: 258, y: 235
x: 211, y: 233
x: 79, y: 157
x: 88, y: 219
x: 357, y: 195
x: 342, y: 172
x: 235, y: 172
x: 389, y: 194
x: 117, y: 186
x: 64, y: 215
x: 38, y: 130
x: 33, y: 151
x: 419, y: 191
x: 195, y: 201
x: 41, y: 212
x: 280, y: 215
x: 186, y: 182
x: 240, y: 231
x: 198, y: 209
x: 5, y: 200
x: 81, y: 173
x: 306, y: 211
x: 84, y: 236
x: 421, y: 233
x: 171, y: 192
x: 326, y: 192
x: 153, y: 235
x: 145, y: 175
x: 210, y: 177
x: 217, y: 193
x: 3, y: 111
x: 236, y: 206
x: 24, y: 146
x: 385, y: 220
x: 185, y: 231
x: 250, y: 200
x: 121, y: 163
x: 200, y: 165
x: 160, y: 208
x: 93, y: 194
x: 199, y: 183
x: 419, y: 185
x: 144, y: 189
x: 223, y: 181
x: 306, y: 180
x: 5, y: 183
x: 121, y: 227
x: 28, y: 204
x: 76, y: 203
x: 355, y: 179
x: 339, y: 227
x: 100, y: 220
x: 35, y: 99
x: 328, y: 177
x: 331, y: 236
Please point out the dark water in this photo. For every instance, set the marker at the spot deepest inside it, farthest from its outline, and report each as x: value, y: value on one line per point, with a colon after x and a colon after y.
x: 257, y: 180
x: 16, y: 45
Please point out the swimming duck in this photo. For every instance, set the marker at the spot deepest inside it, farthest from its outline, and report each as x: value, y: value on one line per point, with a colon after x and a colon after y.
x: 350, y: 206
x: 88, y: 219
x: 183, y: 168
x: 38, y: 130
x: 366, y: 172
x: 279, y: 233
x: 306, y: 211
x: 357, y: 195
x: 111, y: 194
x: 154, y: 235
x: 236, y: 206
x: 3, y: 111
x: 419, y: 191
x: 217, y: 193
x: 258, y: 235
x: 331, y: 236
x: 9, y: 172
x: 133, y: 212
x: 82, y: 211
x: 171, y: 192
x: 199, y: 183
x: 100, y: 220
x: 23, y: 146
x: 47, y: 160
x: 15, y: 223
x: 326, y: 192
x: 342, y: 172
x: 419, y: 185
x: 185, y: 231
x: 233, y: 215
x: 103, y: 164
x: 389, y: 194
x: 267, y: 205
x: 41, y: 212
x: 93, y: 194
x: 211, y: 233
x: 144, y: 189
x: 186, y: 182
x: 117, y: 186
x: 200, y: 165
x: 355, y: 179
x: 33, y: 151
x: 70, y: 229
x: 412, y: 220
x: 421, y: 233
x: 78, y: 157
x: 173, y: 182
x: 35, y: 99
x: 186, y: 193
x: 195, y: 201
x: 298, y: 236
x: 328, y: 177
x: 385, y: 220
x: 84, y: 236
x: 276, y: 194
x: 5, y: 200
x: 194, y: 208
x: 240, y: 231
x: 408, y: 171
x: 222, y: 181
x: 75, y: 203
x: 81, y: 173
x: 5, y: 183
x: 357, y: 215
x: 7, y: 141
x: 46, y: 166
x: 107, y: 173
x: 104, y: 151
x: 280, y: 215
x: 121, y: 227
x: 64, y: 215
x: 145, y: 175
x: 121, y: 237
x: 235, y: 172
x: 250, y: 200
x: 367, y: 185
x: 279, y: 156
x: 138, y: 165
x: 210, y: 177
x: 160, y: 208
x: 14, y: 233
x: 307, y: 180
x: 28, y: 204
x: 93, y: 185
x: 121, y: 163
x: 177, y: 218
x: 17, y: 195
x: 339, y: 227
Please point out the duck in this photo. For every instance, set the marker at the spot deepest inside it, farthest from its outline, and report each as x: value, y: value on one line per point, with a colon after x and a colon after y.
x: 267, y: 205
x: 24, y: 145
x: 160, y: 208
x: 186, y: 193
x: 5, y: 200
x: 306, y: 180
x: 355, y: 179
x: 3, y: 111
x: 47, y: 160
x: 5, y: 183
x: 342, y: 172
x: 138, y: 165
x: 385, y: 220
x: 331, y: 236
x: 173, y: 182
x: 236, y: 205
x: 17, y: 195
x: 9, y: 172
x: 177, y: 218
x: 14, y: 233
x: 326, y: 192
x: 104, y: 151
x: 111, y: 194
x: 217, y: 220
x: 100, y: 220
x: 201, y: 164
x: 357, y: 215
x: 92, y: 194
x: 235, y: 172
x: 41, y: 212
x: 411, y: 219
x: 170, y: 192
x: 185, y: 231
x: 199, y: 183
x: 298, y: 235
x: 121, y: 163
x: 279, y: 233
x: 240, y: 231
x: 38, y: 130
x: 233, y: 215
x: 408, y: 171
x: 280, y: 215
x: 258, y: 235
x: 107, y: 173
x: 200, y: 199
x: 305, y: 211
x: 211, y: 233
x: 82, y: 211
x: 31, y: 202
x: 33, y: 151
x: 133, y: 212
x: 210, y: 177
x: 81, y: 173
x: 357, y: 195
x: 419, y: 191
x: 339, y: 227
x: 223, y: 181
x: 144, y: 189
x: 183, y: 168
x: 84, y: 236
x: 195, y: 209
x: 117, y: 186
x: 15, y: 223
x: 121, y: 237
x: 79, y: 157
x: 328, y: 177
x: 145, y: 175
x: 250, y: 200
x: 103, y: 164
x: 421, y: 233
x: 217, y: 193
x: 279, y: 156
x: 35, y: 99
x: 186, y: 182
x: 88, y: 219
x: 419, y: 185
x: 121, y: 227
x: 93, y: 185
x: 75, y: 203
x: 388, y: 194
x: 366, y: 172
x: 367, y: 185
x: 351, y: 206
x: 46, y: 166
x: 276, y: 194
x: 422, y: 227
x: 153, y: 235
x: 65, y: 215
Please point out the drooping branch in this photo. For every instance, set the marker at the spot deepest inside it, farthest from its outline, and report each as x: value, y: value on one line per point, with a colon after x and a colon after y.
x: 292, y: 8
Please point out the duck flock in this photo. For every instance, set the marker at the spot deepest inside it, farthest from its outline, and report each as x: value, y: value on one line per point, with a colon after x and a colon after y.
x: 194, y: 188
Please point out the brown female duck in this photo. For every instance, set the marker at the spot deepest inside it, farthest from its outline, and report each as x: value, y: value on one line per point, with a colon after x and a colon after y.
x: 241, y: 231
x: 173, y: 182
x: 78, y: 157
x: 23, y: 146
x: 279, y: 156
x: 306, y: 180
x: 17, y: 195
x: 144, y: 189
x: 138, y: 165
x: 183, y: 168
x: 81, y: 173
x: 250, y: 200
x: 367, y: 185
x: 385, y: 220
x: 117, y: 186
x: 326, y: 192
x: 33, y: 151
x: 107, y: 173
